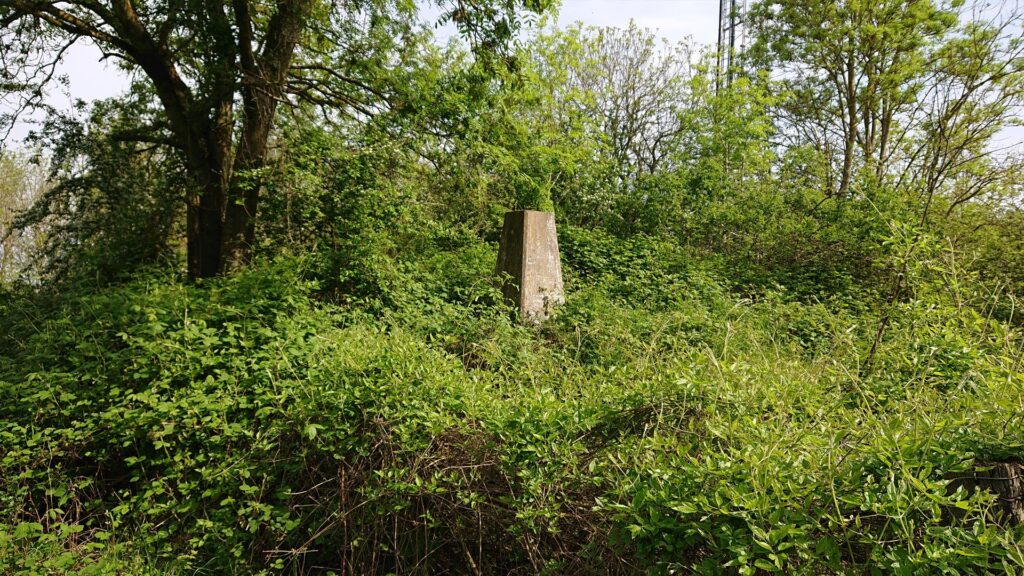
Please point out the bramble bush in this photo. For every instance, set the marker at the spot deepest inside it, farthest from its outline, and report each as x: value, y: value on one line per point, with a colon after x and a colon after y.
x: 657, y: 424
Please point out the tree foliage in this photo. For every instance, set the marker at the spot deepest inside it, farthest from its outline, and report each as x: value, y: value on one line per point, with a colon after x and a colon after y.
x: 202, y: 60
x: 23, y: 183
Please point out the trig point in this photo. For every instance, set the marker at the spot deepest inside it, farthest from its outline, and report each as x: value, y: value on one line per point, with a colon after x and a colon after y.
x: 529, y: 254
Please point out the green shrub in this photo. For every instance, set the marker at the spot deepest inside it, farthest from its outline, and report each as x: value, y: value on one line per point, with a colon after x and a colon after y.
x: 655, y: 424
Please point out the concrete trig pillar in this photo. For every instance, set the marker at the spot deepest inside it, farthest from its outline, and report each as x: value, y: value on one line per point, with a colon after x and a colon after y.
x: 529, y: 254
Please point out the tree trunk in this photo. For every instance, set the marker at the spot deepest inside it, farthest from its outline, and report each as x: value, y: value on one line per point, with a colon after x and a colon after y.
x: 851, y: 127
x: 263, y: 80
x: 240, y: 225
x: 204, y: 231
x: 1002, y: 479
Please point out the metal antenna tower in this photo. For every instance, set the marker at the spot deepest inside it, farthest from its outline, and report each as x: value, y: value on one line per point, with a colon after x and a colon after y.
x: 731, y: 38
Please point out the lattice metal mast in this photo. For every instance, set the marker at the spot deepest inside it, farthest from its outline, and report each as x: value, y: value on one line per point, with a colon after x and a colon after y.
x: 731, y: 38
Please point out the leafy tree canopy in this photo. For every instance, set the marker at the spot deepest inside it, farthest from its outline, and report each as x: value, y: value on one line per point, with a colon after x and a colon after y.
x: 218, y: 71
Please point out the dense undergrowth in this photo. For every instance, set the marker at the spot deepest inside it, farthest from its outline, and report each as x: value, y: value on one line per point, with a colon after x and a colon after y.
x: 791, y: 327
x: 273, y: 422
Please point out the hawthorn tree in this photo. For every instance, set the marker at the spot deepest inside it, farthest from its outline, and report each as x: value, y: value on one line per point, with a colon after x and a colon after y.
x: 220, y: 69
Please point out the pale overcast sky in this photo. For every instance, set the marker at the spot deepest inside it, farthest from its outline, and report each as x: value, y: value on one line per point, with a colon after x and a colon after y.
x: 673, y: 19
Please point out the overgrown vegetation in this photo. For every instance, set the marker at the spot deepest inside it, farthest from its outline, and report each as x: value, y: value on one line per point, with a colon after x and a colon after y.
x: 791, y: 317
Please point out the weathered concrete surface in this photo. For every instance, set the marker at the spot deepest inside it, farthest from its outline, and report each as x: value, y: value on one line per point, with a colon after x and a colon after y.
x: 529, y: 254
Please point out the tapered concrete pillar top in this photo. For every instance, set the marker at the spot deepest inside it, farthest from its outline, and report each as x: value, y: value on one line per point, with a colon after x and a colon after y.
x: 528, y: 253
